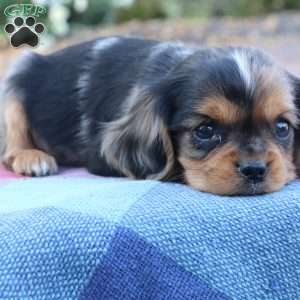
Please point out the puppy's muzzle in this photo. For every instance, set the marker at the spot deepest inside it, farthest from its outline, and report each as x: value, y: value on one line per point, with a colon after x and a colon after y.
x: 254, y: 171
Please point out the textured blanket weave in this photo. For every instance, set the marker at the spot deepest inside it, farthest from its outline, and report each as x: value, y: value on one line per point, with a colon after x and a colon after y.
x: 75, y: 236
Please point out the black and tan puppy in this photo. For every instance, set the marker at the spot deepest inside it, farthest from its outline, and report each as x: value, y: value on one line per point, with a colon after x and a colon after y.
x: 223, y: 120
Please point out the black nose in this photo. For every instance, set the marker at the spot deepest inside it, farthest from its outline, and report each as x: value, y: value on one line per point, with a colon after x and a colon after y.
x: 253, y: 170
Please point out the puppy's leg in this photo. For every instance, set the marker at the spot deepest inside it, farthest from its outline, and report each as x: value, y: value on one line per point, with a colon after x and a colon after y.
x: 21, y: 155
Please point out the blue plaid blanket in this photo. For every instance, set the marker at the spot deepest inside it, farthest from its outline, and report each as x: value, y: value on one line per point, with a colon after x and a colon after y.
x: 79, y: 237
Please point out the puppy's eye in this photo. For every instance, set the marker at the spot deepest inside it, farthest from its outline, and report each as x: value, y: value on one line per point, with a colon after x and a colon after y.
x: 204, y: 132
x: 282, y: 128
x: 206, y: 136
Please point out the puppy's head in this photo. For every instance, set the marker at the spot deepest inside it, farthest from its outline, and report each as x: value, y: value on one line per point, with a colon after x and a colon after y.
x: 226, y: 117
x: 235, y: 129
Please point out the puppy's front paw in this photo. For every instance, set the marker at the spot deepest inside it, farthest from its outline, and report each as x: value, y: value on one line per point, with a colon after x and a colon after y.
x: 31, y: 163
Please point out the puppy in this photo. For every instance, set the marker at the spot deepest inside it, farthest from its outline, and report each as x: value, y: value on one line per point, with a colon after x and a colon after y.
x: 222, y: 120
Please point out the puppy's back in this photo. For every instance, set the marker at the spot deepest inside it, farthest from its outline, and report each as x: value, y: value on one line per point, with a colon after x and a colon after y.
x: 67, y: 94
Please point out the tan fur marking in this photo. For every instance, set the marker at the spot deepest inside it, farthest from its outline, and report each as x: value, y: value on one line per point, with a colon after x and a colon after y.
x: 273, y: 106
x: 274, y: 98
x: 282, y: 169
x: 20, y: 154
x: 17, y: 132
x: 218, y: 173
x: 221, y: 110
x: 214, y: 174
x: 31, y: 162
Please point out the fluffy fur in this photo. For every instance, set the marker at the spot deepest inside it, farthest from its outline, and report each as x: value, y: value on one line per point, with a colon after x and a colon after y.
x: 146, y: 109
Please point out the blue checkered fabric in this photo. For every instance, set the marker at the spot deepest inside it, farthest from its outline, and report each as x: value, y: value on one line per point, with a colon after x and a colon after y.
x: 86, y: 238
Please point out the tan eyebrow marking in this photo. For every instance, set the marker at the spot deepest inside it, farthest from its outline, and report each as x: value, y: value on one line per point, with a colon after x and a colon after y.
x: 221, y: 110
x: 272, y: 107
x: 273, y: 98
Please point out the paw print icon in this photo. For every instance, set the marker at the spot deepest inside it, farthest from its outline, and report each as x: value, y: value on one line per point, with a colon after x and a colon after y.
x: 24, y: 31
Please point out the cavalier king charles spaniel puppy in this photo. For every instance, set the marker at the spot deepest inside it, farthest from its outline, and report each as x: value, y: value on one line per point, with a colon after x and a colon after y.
x: 222, y: 120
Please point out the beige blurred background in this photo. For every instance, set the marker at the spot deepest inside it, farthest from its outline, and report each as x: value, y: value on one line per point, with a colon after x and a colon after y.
x: 273, y: 25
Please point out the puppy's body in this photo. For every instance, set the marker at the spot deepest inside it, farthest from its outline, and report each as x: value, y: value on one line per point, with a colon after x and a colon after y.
x: 68, y: 96
x: 130, y: 107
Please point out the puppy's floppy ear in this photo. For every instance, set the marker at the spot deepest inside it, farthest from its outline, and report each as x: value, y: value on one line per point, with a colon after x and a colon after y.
x: 138, y: 144
x: 296, y: 90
